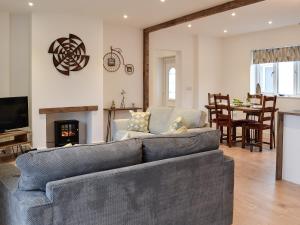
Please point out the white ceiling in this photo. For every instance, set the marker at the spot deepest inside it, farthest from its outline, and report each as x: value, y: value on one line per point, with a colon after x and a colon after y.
x: 141, y: 13
x: 248, y: 19
x: 144, y: 13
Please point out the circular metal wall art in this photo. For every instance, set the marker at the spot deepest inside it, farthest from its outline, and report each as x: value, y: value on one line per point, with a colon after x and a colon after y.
x: 111, y: 62
x: 69, y: 54
x: 114, y: 59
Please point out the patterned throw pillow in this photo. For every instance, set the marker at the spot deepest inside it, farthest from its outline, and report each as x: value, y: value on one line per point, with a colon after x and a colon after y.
x: 176, y: 124
x: 139, y: 121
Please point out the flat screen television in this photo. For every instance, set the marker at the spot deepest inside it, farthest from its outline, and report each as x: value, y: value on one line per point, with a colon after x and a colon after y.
x: 13, y: 113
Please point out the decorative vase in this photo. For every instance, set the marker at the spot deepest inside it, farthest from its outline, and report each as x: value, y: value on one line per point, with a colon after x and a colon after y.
x: 258, y: 89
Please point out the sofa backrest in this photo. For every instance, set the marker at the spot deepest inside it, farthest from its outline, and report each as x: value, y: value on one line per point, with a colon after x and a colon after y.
x: 40, y: 167
x: 159, y: 119
x: 162, y: 117
x: 184, y: 190
x: 170, y: 146
x: 192, y: 118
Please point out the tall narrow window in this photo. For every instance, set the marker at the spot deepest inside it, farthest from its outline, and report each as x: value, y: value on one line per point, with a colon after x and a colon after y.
x: 172, y: 83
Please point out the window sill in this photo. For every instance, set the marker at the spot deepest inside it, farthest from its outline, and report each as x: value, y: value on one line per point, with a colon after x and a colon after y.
x: 289, y: 97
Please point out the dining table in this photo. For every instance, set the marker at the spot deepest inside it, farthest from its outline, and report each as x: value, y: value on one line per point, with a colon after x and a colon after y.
x: 254, y: 108
x: 251, y: 109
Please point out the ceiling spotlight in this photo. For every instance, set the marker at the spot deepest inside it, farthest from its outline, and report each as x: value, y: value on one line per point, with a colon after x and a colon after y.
x: 233, y: 14
x: 162, y: 0
x: 30, y: 4
x: 189, y: 25
x: 125, y: 16
x: 270, y: 22
x: 225, y: 31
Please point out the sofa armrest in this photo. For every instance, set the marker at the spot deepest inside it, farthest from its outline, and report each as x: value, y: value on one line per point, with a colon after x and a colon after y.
x: 21, y: 207
x: 228, y: 190
x: 117, y: 125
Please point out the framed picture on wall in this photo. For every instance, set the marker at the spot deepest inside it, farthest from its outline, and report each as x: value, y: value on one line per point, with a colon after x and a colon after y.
x: 129, y: 69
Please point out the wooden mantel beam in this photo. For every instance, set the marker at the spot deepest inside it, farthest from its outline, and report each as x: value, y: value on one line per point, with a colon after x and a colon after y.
x: 89, y: 108
x: 183, y: 19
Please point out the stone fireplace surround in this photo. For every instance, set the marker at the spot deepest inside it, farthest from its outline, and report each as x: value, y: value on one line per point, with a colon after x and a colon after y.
x: 85, y: 114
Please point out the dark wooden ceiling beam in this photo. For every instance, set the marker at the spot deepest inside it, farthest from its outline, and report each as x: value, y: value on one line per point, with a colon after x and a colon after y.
x: 184, y: 19
x: 203, y: 13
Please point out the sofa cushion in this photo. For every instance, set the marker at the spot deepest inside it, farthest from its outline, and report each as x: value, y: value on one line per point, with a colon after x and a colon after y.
x: 170, y: 146
x: 125, y: 134
x: 40, y: 167
x: 159, y: 119
x: 176, y: 124
x: 139, y: 121
x: 192, y: 118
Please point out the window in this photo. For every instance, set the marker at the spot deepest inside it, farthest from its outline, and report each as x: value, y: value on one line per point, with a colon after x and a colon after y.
x: 286, y: 78
x: 172, y: 83
x: 278, y: 78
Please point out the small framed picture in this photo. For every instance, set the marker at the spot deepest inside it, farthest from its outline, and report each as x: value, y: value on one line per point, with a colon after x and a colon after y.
x: 129, y: 69
x: 111, y: 62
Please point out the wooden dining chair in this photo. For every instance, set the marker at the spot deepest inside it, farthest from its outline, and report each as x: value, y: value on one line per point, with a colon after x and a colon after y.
x: 265, y: 122
x: 224, y: 119
x: 211, y: 112
x: 255, y: 99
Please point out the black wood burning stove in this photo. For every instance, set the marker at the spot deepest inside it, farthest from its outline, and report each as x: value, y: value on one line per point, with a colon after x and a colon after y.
x: 66, y: 132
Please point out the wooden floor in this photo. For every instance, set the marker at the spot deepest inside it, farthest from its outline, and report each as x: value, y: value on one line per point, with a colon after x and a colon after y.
x: 259, y: 199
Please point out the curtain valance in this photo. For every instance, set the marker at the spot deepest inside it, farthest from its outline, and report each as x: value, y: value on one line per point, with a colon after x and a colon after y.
x: 275, y: 55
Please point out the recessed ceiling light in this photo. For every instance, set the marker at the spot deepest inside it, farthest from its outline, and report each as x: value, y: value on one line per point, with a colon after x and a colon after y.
x: 162, y: 0
x: 189, y: 25
x: 233, y: 14
x: 270, y: 22
x: 225, y: 31
x: 125, y: 16
x: 30, y: 4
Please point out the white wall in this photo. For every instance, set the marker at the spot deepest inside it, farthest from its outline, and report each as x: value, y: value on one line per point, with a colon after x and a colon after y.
x: 184, y: 45
x: 130, y: 40
x: 209, y: 68
x: 52, y: 89
x: 4, y: 56
x: 237, y: 55
x: 20, y: 54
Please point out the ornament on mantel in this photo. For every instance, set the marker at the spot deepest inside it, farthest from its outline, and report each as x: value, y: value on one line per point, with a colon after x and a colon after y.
x: 113, y: 105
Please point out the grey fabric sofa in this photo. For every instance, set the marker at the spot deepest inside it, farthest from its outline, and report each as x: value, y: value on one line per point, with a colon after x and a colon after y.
x: 161, y: 180
x: 160, y: 120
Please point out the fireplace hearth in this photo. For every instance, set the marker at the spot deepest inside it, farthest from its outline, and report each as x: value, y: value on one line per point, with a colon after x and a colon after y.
x: 66, y: 132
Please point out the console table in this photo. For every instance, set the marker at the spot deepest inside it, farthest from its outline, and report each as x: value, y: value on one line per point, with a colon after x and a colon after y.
x: 12, y: 139
x: 111, y: 116
x: 288, y: 150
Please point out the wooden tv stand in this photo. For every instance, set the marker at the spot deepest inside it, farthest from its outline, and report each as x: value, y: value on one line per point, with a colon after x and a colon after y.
x: 12, y: 139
